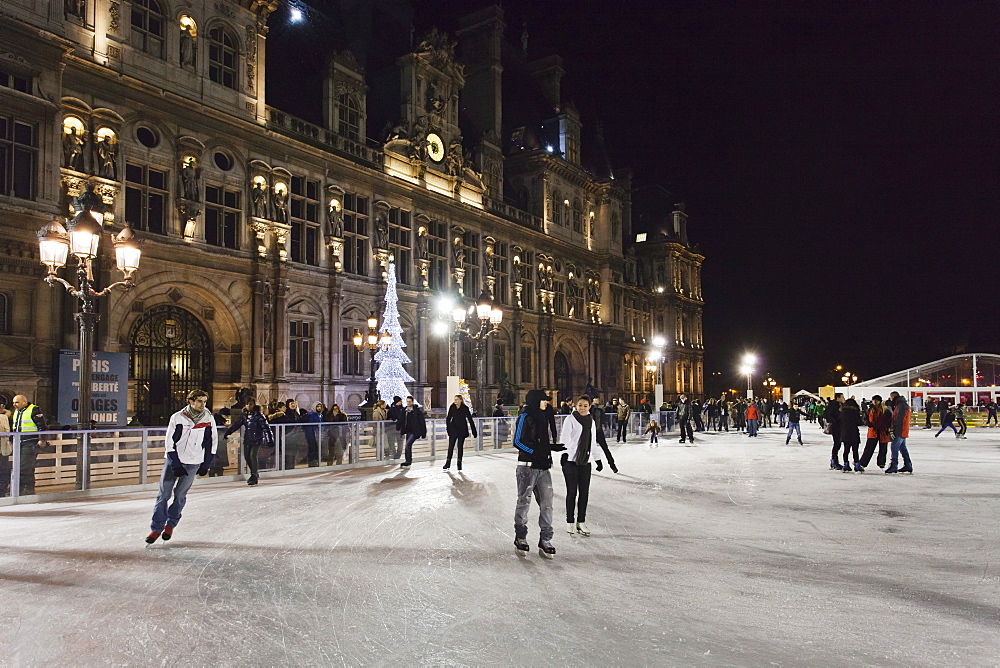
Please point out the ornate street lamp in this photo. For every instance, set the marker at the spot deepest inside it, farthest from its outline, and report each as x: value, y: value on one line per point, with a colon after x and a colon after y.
x: 82, y: 239
x: 373, y: 342
x: 478, y: 324
x: 849, y: 379
x: 769, y: 385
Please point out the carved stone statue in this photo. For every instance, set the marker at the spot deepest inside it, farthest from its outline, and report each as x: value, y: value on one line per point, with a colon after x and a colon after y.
x: 188, y: 49
x: 455, y: 160
x: 572, y: 290
x: 381, y: 231
x: 190, y: 174
x: 458, y: 252
x: 515, y: 272
x: 421, y: 243
x: 107, y: 156
x: 593, y: 291
x: 335, y: 221
x: 489, y: 261
x: 418, y: 138
x: 73, y: 149
x: 281, y: 205
x: 258, y: 200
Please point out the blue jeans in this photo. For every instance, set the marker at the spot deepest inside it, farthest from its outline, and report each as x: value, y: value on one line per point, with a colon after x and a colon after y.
x: 171, y: 484
x: 793, y: 426
x: 752, y: 427
x: 538, y: 483
x: 408, y: 454
x: 898, y: 446
x: 947, y: 426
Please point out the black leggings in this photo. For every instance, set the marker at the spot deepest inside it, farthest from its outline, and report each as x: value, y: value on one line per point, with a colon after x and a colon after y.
x: 250, y: 451
x: 622, y: 430
x: 452, y: 441
x: 870, y: 450
x: 686, y: 430
x: 577, y: 489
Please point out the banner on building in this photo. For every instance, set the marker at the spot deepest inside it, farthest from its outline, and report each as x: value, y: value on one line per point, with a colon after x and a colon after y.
x: 109, y: 388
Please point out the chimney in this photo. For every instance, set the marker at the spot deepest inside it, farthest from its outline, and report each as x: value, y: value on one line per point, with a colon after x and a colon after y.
x: 548, y: 73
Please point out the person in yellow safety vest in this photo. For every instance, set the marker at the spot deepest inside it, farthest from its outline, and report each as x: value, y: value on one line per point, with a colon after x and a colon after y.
x: 28, y: 419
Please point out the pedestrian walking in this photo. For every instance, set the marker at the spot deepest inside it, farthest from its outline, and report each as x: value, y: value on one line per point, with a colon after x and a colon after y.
x: 396, y: 413
x: 623, y: 411
x: 900, y: 431
x: 794, y: 416
x: 991, y: 413
x: 947, y: 422
x: 850, y: 420
x: 929, y: 409
x: 534, y: 460
x: 256, y: 432
x: 653, y: 429
x: 684, y: 418
x: 752, y: 417
x: 458, y: 424
x: 191, y: 442
x: 960, y: 421
x: 831, y: 416
x: 879, y: 421
x: 414, y: 427
x: 581, y: 434
x: 28, y: 420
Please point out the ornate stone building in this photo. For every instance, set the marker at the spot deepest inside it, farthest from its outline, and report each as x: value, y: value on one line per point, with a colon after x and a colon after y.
x: 266, y: 237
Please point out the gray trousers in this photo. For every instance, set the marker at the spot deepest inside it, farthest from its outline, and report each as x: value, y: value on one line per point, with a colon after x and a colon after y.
x: 533, y: 481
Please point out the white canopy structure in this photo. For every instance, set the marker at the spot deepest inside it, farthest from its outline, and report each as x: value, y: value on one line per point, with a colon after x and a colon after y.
x: 972, y: 378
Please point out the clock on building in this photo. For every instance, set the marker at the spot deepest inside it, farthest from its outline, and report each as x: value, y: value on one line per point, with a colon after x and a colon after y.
x: 435, y: 147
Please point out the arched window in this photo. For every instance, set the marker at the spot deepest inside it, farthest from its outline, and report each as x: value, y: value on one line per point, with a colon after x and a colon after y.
x: 148, y: 26
x: 4, y: 314
x: 222, y: 57
x: 348, y: 116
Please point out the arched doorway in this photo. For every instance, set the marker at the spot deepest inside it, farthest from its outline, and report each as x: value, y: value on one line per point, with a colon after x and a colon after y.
x: 171, y: 355
x: 564, y: 377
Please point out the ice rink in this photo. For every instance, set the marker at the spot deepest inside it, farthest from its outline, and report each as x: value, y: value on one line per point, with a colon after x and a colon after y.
x: 735, y: 551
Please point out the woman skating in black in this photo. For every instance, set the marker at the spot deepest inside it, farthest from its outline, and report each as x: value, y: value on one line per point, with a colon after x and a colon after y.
x: 458, y: 422
x: 257, y: 433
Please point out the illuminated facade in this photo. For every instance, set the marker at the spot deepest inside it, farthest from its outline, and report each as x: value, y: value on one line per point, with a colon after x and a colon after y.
x: 266, y: 236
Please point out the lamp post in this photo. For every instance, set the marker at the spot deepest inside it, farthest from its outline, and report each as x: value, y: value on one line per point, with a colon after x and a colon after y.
x: 769, y: 385
x: 478, y: 324
x: 749, y: 360
x: 82, y: 239
x: 849, y: 379
x: 372, y: 341
x: 658, y: 356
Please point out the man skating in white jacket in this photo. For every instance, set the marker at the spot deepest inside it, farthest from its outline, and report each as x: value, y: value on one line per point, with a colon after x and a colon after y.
x: 191, y: 443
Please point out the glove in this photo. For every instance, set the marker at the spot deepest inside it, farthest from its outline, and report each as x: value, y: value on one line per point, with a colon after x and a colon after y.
x: 179, y: 470
x: 600, y: 465
x: 557, y: 447
x: 203, y: 471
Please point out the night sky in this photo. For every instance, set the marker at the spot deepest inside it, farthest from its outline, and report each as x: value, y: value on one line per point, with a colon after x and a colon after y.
x: 839, y: 162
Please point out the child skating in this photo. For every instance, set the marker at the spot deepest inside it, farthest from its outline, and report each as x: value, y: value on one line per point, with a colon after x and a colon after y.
x: 653, y: 429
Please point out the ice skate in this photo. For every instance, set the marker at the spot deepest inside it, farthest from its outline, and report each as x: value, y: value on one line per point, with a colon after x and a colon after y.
x: 570, y: 527
x: 891, y: 469
x: 446, y: 466
x: 906, y: 469
x: 846, y: 468
x: 582, y: 529
x: 858, y: 468
x: 522, y: 547
x: 168, y: 532
x: 834, y: 465
x: 546, y: 550
x: 151, y: 538
x: 252, y: 480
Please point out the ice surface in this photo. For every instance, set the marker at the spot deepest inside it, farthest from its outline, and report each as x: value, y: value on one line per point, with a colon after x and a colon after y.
x: 734, y: 551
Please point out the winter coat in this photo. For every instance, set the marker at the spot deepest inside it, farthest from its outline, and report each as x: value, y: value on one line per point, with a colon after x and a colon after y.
x: 623, y: 411
x: 396, y: 413
x: 414, y: 422
x: 257, y: 429
x: 191, y: 441
x: 570, y: 434
x: 901, y: 418
x: 379, y: 413
x: 832, y: 415
x: 753, y: 413
x: 683, y: 411
x: 459, y: 420
x: 531, y: 433
x: 850, y: 420
x: 879, y: 423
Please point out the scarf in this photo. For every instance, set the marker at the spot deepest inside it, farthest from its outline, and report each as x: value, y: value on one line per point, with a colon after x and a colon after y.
x: 197, y: 419
x: 583, y: 445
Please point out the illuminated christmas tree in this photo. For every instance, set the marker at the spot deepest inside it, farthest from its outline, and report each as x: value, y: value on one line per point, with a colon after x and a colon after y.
x: 391, y: 376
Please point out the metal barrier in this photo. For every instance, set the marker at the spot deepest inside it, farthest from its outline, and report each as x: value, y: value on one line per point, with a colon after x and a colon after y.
x: 52, y: 462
